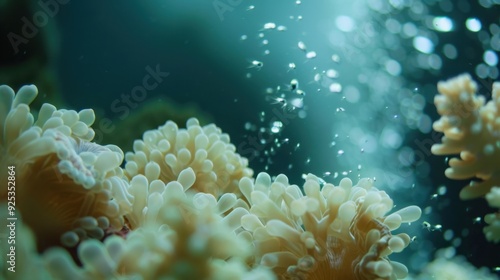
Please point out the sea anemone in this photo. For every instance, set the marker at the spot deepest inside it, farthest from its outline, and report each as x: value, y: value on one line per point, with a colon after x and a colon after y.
x: 181, y: 236
x: 63, y: 181
x: 472, y: 130
x: 331, y: 232
x: 184, y: 207
x: 165, y: 152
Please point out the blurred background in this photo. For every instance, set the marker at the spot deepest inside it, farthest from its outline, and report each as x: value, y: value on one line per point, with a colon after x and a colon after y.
x: 334, y: 88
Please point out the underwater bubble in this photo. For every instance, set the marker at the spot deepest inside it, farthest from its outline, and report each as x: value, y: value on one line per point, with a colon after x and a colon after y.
x: 446, y: 6
x: 456, y: 242
x: 495, y: 28
x: 269, y: 25
x: 332, y: 73
x: 281, y: 28
x: 393, y: 26
x: 417, y: 100
x: 335, y: 87
x: 393, y: 67
x: 297, y: 147
x: 434, y: 61
x: 488, y: 3
x: 301, y: 45
x: 450, y: 51
x: 276, y: 126
x: 256, y: 64
x: 490, y: 57
x: 317, y: 77
x: 418, y: 8
x: 336, y: 58
x: 311, y: 54
x: 425, y: 124
x: 442, y: 190
x: 409, y: 29
x: 391, y: 138
x: 297, y: 102
x: 495, y: 42
x: 473, y: 24
x: 345, y: 23
x: 449, y: 252
x: 494, y: 73
x: 482, y: 70
x: 397, y: 4
x: 248, y: 125
x: 442, y: 24
x: 423, y: 44
x: 352, y: 94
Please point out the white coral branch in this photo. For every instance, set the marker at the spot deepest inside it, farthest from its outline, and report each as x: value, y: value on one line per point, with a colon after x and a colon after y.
x: 471, y: 129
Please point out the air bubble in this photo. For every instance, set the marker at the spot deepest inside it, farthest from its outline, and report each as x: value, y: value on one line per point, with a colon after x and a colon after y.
x: 276, y: 127
x: 301, y: 45
x: 311, y: 54
x: 332, y: 73
x: 473, y: 24
x: 335, y: 87
x: 270, y: 25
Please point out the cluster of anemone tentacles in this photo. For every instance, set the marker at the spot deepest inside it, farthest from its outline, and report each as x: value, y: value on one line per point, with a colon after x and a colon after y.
x: 184, y: 206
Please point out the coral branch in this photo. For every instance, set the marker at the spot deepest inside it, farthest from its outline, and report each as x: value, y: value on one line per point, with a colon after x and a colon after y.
x: 471, y: 128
